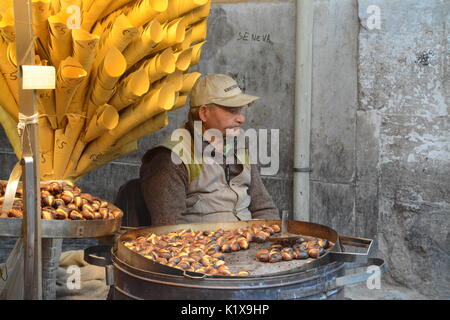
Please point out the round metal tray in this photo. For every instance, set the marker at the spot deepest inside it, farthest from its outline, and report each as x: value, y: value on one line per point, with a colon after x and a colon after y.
x: 60, y: 229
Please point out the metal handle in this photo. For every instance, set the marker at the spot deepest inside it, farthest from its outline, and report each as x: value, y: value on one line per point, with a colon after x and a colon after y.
x: 326, y: 288
x: 351, y: 256
x: 98, y: 255
x: 362, y: 276
x: 185, y: 274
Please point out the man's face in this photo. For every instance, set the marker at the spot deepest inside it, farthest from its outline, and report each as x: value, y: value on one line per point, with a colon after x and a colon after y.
x: 222, y: 118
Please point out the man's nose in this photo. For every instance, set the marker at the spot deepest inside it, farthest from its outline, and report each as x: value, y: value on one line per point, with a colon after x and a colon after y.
x: 240, y: 118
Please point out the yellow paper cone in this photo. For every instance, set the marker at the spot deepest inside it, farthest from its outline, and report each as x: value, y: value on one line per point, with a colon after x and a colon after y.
x: 85, y: 47
x: 180, y: 102
x: 160, y: 65
x: 199, y: 31
x: 55, y: 7
x: 178, y: 8
x: 73, y: 161
x: 7, y: 25
x: 189, y: 80
x: 60, y: 38
x: 141, y: 46
x: 183, y: 59
x: 5, y: 5
x: 197, y: 14
x: 144, y: 129
x: 41, y: 12
x: 46, y: 101
x: 10, y: 127
x: 131, y: 89
x: 175, y: 79
x: 9, y: 71
x: 145, y: 11
x: 186, y: 43
x: 70, y: 75
x: 110, y: 70
x: 174, y: 33
x: 116, y: 4
x: 103, y: 159
x: 106, y: 118
x: 7, y: 100
x: 196, y: 53
x: 153, y: 103
x: 65, y: 140
x: 120, y: 35
x: 91, y: 16
x: 46, y: 138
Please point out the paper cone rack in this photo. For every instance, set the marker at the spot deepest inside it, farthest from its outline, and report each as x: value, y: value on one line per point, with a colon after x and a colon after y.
x: 119, y: 72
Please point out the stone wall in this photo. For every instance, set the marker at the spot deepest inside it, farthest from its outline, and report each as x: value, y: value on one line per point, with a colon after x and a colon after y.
x: 380, y: 121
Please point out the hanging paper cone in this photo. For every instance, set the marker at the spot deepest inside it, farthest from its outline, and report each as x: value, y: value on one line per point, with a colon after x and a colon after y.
x: 141, y: 46
x: 106, y: 118
x: 130, y: 90
x: 189, y: 80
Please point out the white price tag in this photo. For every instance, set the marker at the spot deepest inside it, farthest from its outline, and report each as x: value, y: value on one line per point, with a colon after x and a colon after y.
x: 38, y: 77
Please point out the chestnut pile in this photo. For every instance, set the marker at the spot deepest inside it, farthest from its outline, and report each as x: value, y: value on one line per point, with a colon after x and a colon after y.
x: 63, y: 201
x: 302, y: 248
x: 200, y: 251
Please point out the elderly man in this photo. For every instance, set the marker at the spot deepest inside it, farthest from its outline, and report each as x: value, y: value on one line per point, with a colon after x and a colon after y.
x: 178, y: 190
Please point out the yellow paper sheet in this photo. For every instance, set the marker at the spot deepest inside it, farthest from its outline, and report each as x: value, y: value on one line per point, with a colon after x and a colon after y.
x: 131, y: 89
x: 65, y: 141
x: 60, y: 38
x: 7, y: 100
x: 10, y: 127
x: 46, y: 144
x: 142, y: 45
x: 69, y: 77
x: 145, y: 11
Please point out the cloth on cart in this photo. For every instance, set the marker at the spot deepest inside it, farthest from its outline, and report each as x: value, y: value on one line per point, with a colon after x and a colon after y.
x: 78, y: 280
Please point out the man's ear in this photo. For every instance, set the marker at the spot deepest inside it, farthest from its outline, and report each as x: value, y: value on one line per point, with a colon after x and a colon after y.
x: 202, y: 113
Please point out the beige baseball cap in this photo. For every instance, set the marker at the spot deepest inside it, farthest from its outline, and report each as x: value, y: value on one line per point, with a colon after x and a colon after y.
x: 219, y: 89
